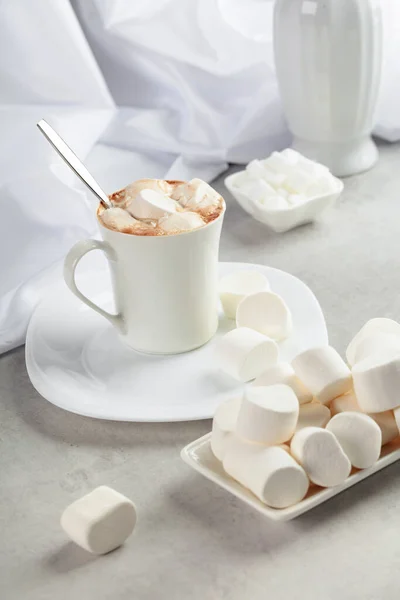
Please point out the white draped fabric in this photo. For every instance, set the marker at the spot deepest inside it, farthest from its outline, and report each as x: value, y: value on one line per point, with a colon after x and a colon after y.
x: 143, y: 88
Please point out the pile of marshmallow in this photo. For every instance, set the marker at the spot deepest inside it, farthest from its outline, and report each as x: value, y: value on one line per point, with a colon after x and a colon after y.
x: 311, y: 421
x: 284, y: 179
x: 157, y: 203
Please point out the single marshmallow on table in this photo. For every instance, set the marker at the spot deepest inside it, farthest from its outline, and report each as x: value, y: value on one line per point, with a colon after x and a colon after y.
x: 377, y: 383
x: 284, y: 373
x: 386, y: 420
x: 359, y: 436
x: 223, y: 426
x: 268, y: 415
x: 324, y: 373
x: 149, y: 204
x: 266, y: 313
x: 117, y: 218
x: 196, y: 193
x: 182, y: 221
x: 321, y: 456
x: 244, y: 353
x: 373, y: 327
x: 313, y: 414
x: 236, y: 286
x: 100, y: 521
x: 270, y: 473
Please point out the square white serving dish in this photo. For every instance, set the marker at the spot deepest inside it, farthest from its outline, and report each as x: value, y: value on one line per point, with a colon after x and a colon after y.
x: 286, y: 219
x: 199, y: 456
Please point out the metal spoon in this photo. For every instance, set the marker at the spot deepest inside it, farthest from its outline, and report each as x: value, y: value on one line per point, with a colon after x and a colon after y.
x: 73, y: 161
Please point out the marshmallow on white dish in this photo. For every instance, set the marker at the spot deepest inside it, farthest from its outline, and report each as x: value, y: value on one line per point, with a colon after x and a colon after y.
x: 373, y: 327
x: 386, y: 420
x: 196, y: 193
x: 100, y: 521
x: 359, y: 436
x: 313, y: 414
x: 182, y: 221
x: 324, y: 373
x: 321, y: 456
x: 236, y: 286
x: 244, y: 353
x: 268, y: 415
x: 267, y: 313
x: 377, y: 383
x: 149, y: 204
x: 223, y: 426
x: 117, y: 218
x: 281, y: 163
x: 284, y: 373
x: 270, y: 473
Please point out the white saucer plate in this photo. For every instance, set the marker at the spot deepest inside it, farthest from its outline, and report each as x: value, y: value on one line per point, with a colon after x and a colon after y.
x: 76, y: 360
x: 199, y: 456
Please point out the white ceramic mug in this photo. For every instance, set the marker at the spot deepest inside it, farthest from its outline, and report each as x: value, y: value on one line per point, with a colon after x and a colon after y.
x: 165, y: 287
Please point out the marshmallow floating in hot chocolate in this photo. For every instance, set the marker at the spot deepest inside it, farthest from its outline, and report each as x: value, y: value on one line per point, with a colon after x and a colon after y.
x: 270, y: 473
x: 385, y: 420
x: 149, y: 204
x: 182, y: 221
x: 244, y: 353
x: 284, y: 373
x: 196, y: 194
x: 118, y: 218
x: 359, y: 436
x: 265, y: 312
x: 324, y: 373
x: 236, y: 286
x: 268, y: 415
x: 224, y: 424
x: 321, y: 456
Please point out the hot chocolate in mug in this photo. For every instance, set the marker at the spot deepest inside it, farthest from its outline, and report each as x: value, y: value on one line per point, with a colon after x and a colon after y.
x: 165, y: 287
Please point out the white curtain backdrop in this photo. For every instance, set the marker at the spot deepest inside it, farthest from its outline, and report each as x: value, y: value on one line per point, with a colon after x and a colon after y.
x: 138, y: 88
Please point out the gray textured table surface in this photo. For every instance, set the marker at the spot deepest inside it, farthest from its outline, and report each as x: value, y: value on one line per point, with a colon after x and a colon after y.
x: 193, y: 540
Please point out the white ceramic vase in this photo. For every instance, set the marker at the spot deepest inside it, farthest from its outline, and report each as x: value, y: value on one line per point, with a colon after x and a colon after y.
x: 328, y: 57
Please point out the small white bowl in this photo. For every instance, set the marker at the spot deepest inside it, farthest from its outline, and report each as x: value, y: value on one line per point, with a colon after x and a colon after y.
x: 288, y: 218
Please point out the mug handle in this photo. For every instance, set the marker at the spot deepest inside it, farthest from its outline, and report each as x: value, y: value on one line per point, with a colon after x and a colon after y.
x: 72, y: 259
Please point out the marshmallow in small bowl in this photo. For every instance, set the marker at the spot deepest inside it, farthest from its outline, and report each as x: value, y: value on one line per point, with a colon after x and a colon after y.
x: 284, y: 190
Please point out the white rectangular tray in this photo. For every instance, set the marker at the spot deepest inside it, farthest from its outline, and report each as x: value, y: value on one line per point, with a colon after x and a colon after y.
x: 199, y: 456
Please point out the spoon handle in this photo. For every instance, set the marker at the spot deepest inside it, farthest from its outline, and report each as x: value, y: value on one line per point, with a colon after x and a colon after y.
x: 73, y: 161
